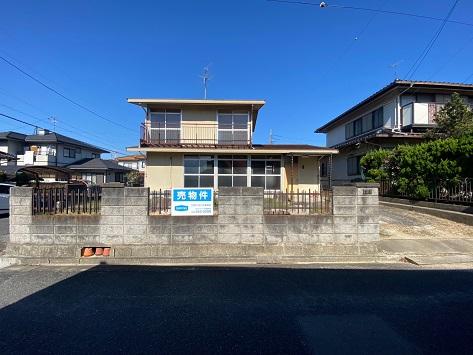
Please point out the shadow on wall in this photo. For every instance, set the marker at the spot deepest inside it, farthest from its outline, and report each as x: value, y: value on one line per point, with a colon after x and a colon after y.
x: 129, y: 309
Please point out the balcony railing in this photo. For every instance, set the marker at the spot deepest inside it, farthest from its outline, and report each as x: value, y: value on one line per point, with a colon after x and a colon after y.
x: 194, y: 135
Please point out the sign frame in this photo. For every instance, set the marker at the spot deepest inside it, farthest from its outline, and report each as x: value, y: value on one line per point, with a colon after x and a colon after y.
x: 192, y: 201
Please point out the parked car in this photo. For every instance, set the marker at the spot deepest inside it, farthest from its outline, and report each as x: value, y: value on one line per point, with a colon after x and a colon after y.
x: 5, y: 198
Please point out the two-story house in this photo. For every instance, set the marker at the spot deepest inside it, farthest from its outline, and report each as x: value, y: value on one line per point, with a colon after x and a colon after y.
x: 209, y: 143
x: 399, y: 113
x: 12, y: 144
x: 54, y: 149
x: 55, y: 157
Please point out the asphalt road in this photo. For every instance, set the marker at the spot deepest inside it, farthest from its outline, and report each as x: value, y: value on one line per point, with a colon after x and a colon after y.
x: 235, y: 310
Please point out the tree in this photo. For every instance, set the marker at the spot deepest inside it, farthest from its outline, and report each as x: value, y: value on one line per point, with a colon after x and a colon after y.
x: 375, y: 165
x: 134, y: 178
x: 455, y: 119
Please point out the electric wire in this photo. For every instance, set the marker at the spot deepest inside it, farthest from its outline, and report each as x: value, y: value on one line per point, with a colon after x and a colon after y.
x: 430, y: 44
x: 400, y: 13
x: 62, y: 95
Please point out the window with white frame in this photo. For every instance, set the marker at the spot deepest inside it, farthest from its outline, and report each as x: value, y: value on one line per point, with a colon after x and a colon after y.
x: 198, y: 171
x: 232, y: 170
x: 233, y: 127
x: 166, y: 126
x: 266, y: 172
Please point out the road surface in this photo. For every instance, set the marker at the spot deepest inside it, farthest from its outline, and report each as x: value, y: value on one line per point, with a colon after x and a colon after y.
x: 234, y: 310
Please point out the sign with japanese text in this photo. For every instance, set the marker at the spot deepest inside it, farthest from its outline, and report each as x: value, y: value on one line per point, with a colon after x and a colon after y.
x: 192, y: 202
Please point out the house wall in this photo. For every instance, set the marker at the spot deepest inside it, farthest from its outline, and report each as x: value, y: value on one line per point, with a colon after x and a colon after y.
x: 336, y: 135
x: 165, y: 171
x: 200, y: 125
x: 239, y: 232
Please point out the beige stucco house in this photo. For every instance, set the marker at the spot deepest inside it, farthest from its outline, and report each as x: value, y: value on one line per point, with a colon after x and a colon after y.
x: 209, y: 143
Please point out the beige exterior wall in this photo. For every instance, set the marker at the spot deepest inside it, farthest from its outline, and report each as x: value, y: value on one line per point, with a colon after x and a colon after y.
x: 199, y: 125
x: 164, y: 171
x: 303, y: 173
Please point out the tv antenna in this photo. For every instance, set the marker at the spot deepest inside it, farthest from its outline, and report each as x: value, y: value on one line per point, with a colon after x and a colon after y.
x: 205, y: 79
x: 53, y: 120
x: 394, y: 67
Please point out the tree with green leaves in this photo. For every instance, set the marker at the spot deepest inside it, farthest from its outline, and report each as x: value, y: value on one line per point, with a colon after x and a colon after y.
x: 454, y: 119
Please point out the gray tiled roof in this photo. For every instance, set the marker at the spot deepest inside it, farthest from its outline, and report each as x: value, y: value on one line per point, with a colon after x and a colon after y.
x: 59, y: 138
x: 97, y: 164
x: 12, y: 135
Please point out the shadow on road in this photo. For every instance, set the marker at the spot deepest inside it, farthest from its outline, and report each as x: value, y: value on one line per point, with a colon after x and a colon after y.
x: 243, y: 310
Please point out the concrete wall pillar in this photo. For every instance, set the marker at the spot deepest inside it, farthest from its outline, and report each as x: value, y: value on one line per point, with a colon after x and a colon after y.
x: 240, y: 215
x: 21, y: 214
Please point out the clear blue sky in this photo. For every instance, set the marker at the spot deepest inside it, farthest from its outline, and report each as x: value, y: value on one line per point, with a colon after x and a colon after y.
x: 303, y: 60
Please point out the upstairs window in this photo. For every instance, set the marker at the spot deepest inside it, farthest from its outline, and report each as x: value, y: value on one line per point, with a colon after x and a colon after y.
x: 165, y: 126
x: 233, y: 127
x: 69, y: 153
x: 378, y: 120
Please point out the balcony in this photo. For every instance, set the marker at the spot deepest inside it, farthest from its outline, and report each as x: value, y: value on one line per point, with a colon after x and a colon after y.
x: 194, y: 135
x: 419, y: 115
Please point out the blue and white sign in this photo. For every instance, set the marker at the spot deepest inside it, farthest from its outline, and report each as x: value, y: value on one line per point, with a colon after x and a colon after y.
x: 192, y: 202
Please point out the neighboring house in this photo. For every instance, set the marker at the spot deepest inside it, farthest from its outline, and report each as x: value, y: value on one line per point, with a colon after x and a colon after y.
x: 399, y: 113
x: 98, y: 171
x: 135, y: 162
x: 54, y: 149
x: 209, y: 143
x: 12, y: 144
x: 54, y: 157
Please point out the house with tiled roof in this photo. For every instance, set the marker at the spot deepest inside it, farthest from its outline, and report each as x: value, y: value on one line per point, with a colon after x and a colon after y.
x: 135, y: 162
x: 399, y: 113
x: 209, y: 143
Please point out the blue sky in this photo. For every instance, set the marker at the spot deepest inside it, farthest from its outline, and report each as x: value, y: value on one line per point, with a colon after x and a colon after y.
x: 303, y: 60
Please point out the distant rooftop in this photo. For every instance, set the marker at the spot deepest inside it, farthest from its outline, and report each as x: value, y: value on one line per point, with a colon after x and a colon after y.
x: 52, y: 137
x: 398, y: 85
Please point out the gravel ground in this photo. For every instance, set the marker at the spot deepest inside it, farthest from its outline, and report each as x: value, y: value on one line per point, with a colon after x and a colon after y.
x: 404, y: 224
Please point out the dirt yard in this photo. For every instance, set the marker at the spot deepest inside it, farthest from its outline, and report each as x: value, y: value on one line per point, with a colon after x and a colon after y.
x: 398, y: 223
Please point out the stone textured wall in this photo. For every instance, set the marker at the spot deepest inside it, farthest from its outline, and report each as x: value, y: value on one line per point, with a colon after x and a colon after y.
x: 239, y: 231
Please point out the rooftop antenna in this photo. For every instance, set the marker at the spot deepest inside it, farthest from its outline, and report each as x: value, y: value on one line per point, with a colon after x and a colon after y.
x: 394, y: 67
x: 205, y: 79
x: 53, y: 120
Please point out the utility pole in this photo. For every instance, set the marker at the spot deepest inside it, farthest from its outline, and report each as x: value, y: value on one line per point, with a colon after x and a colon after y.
x: 270, y: 136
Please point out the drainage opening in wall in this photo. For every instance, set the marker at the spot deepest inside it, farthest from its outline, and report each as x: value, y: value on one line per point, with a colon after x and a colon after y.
x: 95, y: 251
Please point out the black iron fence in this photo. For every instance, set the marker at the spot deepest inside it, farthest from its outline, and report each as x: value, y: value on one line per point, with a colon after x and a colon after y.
x: 67, y: 200
x: 441, y: 191
x: 298, y: 202
x: 160, y: 202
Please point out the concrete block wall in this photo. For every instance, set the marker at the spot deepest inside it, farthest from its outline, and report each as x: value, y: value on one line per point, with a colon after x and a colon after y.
x: 239, y: 230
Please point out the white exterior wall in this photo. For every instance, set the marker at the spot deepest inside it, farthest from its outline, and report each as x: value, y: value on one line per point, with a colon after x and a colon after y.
x: 337, y: 134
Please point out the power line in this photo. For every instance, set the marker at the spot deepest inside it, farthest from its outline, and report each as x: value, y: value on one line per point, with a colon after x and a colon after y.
x: 18, y: 120
x: 431, y: 43
x: 36, y: 126
x: 75, y: 130
x: 400, y: 13
x: 62, y: 95
x: 468, y: 78
x: 450, y: 59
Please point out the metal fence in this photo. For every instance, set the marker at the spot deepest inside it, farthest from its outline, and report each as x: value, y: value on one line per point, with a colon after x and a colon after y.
x: 160, y: 202
x: 67, y: 200
x: 298, y: 202
x: 441, y: 191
